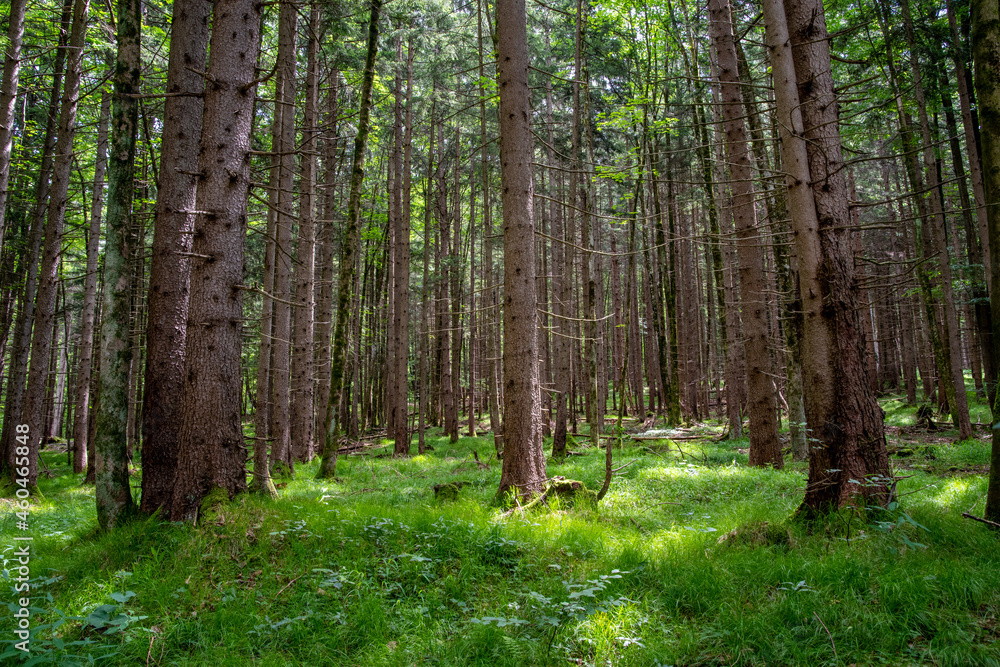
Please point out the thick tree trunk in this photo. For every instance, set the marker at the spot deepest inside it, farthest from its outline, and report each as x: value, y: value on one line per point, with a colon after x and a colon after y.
x: 212, y: 455
x: 351, y: 249
x: 88, y: 315
x: 765, y: 448
x: 524, y: 460
x: 850, y: 458
x: 170, y: 268
x: 985, y: 50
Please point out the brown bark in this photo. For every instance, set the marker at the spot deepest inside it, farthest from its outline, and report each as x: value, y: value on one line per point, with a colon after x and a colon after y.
x: 280, y: 427
x: 45, y: 300
x: 523, y: 471
x: 212, y: 455
x: 850, y: 458
x: 959, y: 406
x: 399, y: 354
x: 303, y: 318
x: 8, y: 99
x: 765, y: 449
x: 170, y: 268
x: 985, y: 50
x: 89, y: 308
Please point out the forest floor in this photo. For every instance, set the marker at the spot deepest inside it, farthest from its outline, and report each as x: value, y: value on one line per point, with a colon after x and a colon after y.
x: 371, y: 569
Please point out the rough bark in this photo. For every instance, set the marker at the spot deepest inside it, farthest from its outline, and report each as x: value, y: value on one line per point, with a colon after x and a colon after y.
x: 403, y: 156
x: 960, y: 409
x: 114, y: 496
x: 325, y: 251
x: 212, y: 456
x: 765, y: 448
x: 21, y: 346
x: 848, y: 459
x: 280, y: 428
x: 524, y: 460
x: 170, y: 268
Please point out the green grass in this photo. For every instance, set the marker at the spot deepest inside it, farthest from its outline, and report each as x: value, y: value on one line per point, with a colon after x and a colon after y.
x: 371, y: 570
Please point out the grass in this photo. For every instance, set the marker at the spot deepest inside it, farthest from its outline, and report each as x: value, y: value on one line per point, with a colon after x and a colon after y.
x: 371, y: 570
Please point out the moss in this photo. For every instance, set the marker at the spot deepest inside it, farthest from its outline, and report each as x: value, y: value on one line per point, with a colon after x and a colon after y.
x: 207, y: 510
x: 758, y: 534
x: 448, y: 491
x: 571, y: 491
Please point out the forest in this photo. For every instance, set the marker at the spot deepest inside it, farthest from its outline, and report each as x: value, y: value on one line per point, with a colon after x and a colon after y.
x: 500, y: 332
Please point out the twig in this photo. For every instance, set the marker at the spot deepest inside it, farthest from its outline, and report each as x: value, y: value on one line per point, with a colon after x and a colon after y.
x: 625, y: 466
x: 666, y: 502
x: 832, y: 643
x: 976, y: 518
x: 288, y: 584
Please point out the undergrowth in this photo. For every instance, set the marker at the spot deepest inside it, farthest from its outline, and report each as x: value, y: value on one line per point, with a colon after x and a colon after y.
x: 370, y: 569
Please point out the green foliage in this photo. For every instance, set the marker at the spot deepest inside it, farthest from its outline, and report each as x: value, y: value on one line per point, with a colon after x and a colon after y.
x: 364, y: 570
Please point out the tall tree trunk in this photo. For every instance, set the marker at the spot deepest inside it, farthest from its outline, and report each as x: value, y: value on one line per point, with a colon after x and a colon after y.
x: 765, y: 448
x: 45, y: 300
x: 212, y: 456
x: 324, y: 302
x: 960, y: 409
x: 21, y: 346
x: 89, y: 307
x: 170, y: 267
x: 351, y: 249
x: 114, y: 496
x: 402, y: 155
x: 303, y: 318
x: 280, y: 431
x: 8, y: 99
x: 524, y: 460
x: 985, y: 47
x: 456, y: 294
x: 850, y: 459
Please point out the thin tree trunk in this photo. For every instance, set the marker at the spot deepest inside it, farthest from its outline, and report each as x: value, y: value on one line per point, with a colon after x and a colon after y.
x: 765, y: 448
x: 114, y: 496
x: 402, y: 154
x: 351, y: 249
x: 89, y: 307
x: 41, y: 341
x: 280, y: 429
x: 960, y: 409
x: 8, y: 99
x: 324, y: 302
x: 303, y: 318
